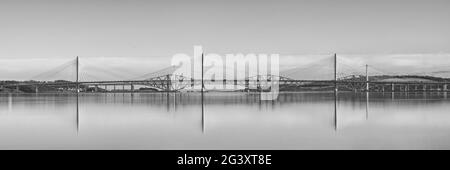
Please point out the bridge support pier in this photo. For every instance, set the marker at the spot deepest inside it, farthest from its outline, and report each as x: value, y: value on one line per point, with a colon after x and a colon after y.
x: 247, y: 85
x: 392, y: 87
x: 132, y: 87
x: 96, y: 88
x: 444, y: 87
x: 424, y: 87
x: 36, y: 89
x: 114, y: 88
x: 17, y: 89
x: 169, y: 83
x: 224, y: 83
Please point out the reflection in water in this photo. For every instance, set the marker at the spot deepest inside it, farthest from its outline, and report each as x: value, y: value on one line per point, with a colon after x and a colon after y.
x: 10, y: 101
x: 78, y: 113
x: 203, y: 112
x: 235, y: 121
x: 367, y: 105
x: 335, y: 110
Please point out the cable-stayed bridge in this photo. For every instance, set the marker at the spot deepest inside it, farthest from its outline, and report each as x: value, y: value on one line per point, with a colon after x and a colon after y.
x: 326, y: 74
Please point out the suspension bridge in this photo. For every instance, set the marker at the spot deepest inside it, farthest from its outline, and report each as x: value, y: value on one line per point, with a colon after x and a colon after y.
x: 327, y: 74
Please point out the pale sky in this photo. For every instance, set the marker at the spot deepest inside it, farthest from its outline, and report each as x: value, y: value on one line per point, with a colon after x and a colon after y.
x: 372, y: 31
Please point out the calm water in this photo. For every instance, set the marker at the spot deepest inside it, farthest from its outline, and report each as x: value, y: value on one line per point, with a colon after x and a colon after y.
x: 228, y: 121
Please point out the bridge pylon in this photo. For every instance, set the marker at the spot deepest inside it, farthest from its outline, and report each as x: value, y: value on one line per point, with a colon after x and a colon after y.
x: 367, y: 78
x: 77, y: 70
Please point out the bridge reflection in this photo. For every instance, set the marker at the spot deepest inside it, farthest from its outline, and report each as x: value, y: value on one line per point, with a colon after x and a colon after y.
x: 178, y: 103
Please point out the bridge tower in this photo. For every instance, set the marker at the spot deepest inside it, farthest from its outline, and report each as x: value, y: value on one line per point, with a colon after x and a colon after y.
x: 77, y: 65
x: 335, y: 73
x: 335, y: 93
x: 367, y: 78
x: 203, y: 85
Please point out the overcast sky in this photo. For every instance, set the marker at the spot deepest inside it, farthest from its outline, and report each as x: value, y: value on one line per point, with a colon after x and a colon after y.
x: 156, y: 30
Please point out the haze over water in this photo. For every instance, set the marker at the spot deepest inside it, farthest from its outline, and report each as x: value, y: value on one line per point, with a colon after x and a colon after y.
x: 231, y: 121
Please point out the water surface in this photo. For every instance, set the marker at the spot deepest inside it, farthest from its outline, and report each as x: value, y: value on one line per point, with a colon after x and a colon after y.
x: 226, y: 121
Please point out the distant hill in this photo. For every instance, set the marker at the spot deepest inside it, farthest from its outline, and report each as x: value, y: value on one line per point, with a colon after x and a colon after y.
x: 397, y: 78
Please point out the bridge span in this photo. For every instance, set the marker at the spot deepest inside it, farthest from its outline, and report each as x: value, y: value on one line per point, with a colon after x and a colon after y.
x: 170, y: 85
x: 165, y: 80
